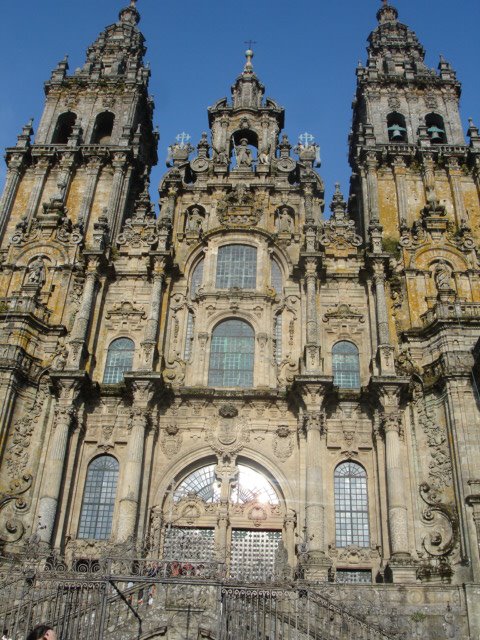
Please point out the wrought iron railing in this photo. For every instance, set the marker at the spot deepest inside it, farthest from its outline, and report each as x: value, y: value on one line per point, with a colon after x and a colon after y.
x: 135, y: 598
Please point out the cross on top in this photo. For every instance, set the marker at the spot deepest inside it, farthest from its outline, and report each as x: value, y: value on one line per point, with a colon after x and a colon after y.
x: 250, y: 43
x: 306, y: 139
x: 182, y: 139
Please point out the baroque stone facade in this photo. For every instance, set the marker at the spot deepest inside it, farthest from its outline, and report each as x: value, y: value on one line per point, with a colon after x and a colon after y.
x: 240, y: 381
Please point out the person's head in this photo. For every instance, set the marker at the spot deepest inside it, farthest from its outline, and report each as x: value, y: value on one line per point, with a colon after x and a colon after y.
x: 42, y: 632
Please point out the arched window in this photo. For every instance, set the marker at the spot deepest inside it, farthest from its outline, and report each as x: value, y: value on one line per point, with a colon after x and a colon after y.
x: 102, y: 131
x: 64, y: 127
x: 119, y: 360
x: 276, y: 278
x: 231, y: 355
x: 237, y: 267
x: 435, y: 128
x: 99, y: 499
x: 351, y: 506
x: 196, y: 280
x: 396, y: 127
x: 346, y: 365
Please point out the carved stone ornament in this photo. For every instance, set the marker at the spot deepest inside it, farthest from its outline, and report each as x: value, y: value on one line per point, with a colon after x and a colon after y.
x: 338, y: 233
x: 124, y: 314
x: 228, y: 435
x: 240, y: 208
x: 283, y: 443
x: 171, y: 440
x: 228, y: 411
x: 12, y: 504
x: 139, y: 231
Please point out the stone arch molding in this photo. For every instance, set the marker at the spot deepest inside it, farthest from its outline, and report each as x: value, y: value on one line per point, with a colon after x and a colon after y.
x: 424, y: 258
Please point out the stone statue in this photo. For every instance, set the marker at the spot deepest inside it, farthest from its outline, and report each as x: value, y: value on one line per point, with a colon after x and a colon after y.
x: 194, y: 221
x: 263, y: 157
x: 443, y: 276
x: 284, y: 221
x: 243, y: 154
x: 36, y: 272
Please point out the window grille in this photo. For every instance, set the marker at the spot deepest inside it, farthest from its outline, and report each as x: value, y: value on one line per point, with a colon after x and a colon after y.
x: 232, y: 355
x: 253, y: 554
x: 99, y: 499
x: 188, y: 337
x: 346, y: 365
x: 183, y: 544
x: 345, y: 576
x: 276, y: 277
x: 197, y: 278
x: 351, y: 505
x: 119, y: 360
x: 277, y: 341
x: 237, y: 267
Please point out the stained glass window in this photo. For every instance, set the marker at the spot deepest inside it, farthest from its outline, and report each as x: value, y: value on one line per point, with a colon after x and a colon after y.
x: 119, y: 360
x: 346, y: 365
x: 351, y: 505
x: 197, y: 278
x: 276, y: 277
x: 232, y: 355
x: 99, y: 499
x: 237, y: 267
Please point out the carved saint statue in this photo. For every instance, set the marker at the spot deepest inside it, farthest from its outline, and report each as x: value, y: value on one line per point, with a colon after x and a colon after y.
x: 443, y: 276
x: 244, y: 154
x: 36, y: 272
x: 284, y: 221
x: 194, y: 221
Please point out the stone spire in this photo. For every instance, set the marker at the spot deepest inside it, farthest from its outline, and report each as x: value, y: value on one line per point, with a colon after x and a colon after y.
x: 119, y: 49
x: 248, y: 91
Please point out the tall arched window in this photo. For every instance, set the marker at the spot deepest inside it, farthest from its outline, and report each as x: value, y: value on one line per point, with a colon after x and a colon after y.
x: 99, y: 499
x: 64, y: 127
x: 346, y: 365
x: 102, y: 131
x: 276, y: 277
x: 351, y: 506
x: 196, y: 280
x: 435, y: 128
x: 237, y: 267
x: 119, y: 360
x: 231, y: 355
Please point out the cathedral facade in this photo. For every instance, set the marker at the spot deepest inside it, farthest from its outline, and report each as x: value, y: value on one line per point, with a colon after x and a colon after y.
x: 241, y: 417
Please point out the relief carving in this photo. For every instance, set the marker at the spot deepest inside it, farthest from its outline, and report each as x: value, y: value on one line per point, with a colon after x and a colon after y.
x: 171, y: 440
x: 283, y: 443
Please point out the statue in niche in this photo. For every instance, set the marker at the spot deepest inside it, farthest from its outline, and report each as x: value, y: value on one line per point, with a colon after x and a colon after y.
x: 443, y: 276
x: 284, y: 221
x: 195, y: 221
x: 36, y: 272
x: 243, y: 154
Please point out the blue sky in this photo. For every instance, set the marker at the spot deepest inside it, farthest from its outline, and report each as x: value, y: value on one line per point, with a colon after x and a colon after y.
x: 306, y: 54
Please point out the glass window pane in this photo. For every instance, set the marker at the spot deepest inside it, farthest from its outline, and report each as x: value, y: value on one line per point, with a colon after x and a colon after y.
x: 346, y: 365
x: 231, y: 355
x: 197, y: 278
x: 237, y: 267
x: 99, y: 499
x: 277, y: 280
x: 119, y: 360
x: 351, y: 506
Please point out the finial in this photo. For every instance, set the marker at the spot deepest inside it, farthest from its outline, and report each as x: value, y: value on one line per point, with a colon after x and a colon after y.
x: 249, y: 55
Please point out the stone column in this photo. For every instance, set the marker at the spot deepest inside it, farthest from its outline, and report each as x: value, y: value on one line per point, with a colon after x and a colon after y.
x: 403, y: 569
x: 130, y: 489
x: 454, y: 175
x: 372, y: 187
x: 151, y: 330
x: 93, y: 172
x: 385, y: 349
x: 82, y: 319
x: 9, y: 392
x: 312, y: 354
x: 65, y: 414
x: 289, y: 543
x: 15, y: 171
x: 399, y: 171
x: 40, y: 177
x: 119, y: 164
